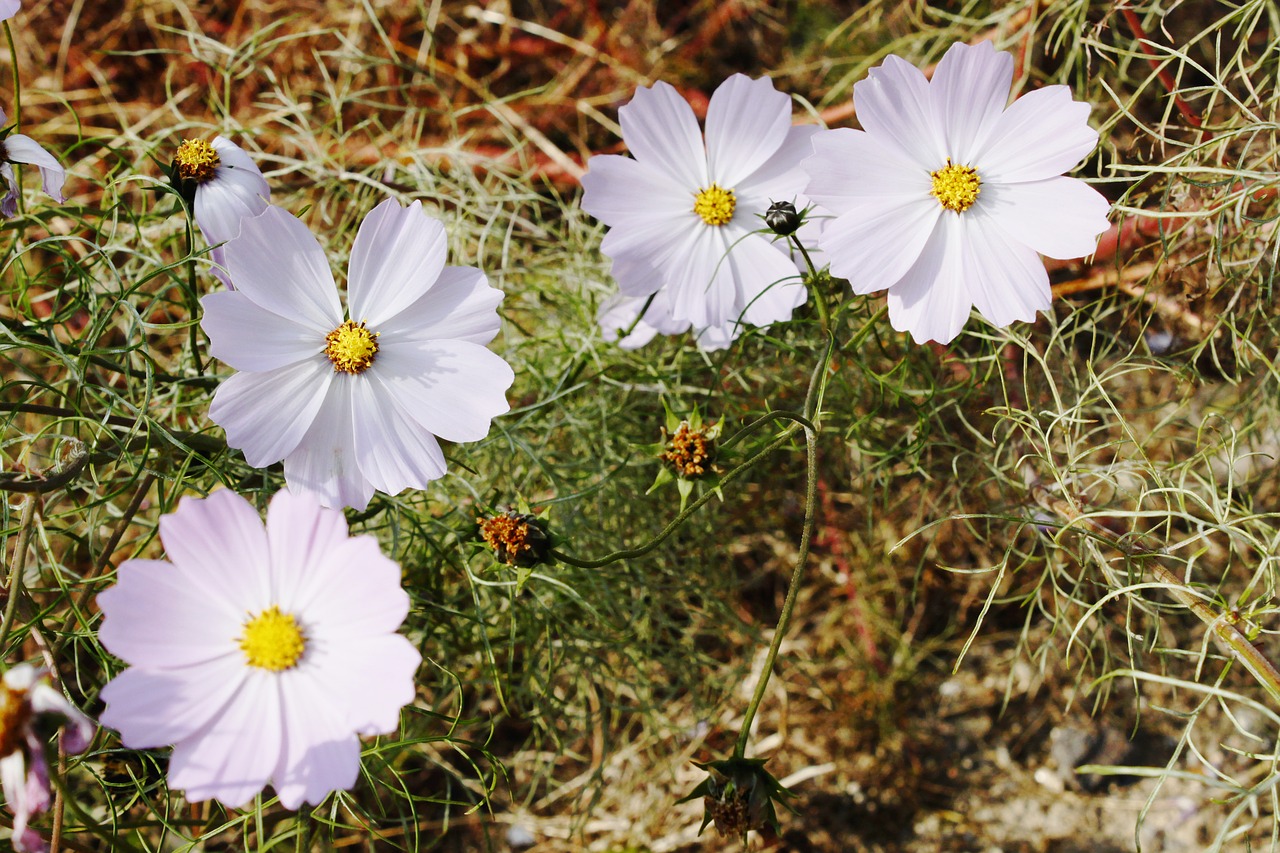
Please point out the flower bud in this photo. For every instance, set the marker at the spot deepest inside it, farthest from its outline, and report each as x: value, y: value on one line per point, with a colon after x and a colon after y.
x: 783, y: 218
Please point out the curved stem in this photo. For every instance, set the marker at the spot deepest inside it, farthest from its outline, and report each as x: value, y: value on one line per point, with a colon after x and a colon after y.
x: 17, y: 78
x: 19, y: 566
x: 784, y: 619
x: 819, y: 298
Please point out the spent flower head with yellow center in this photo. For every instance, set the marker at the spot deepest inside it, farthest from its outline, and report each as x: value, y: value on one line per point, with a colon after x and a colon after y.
x: 947, y: 197
x: 223, y: 187
x: 517, y: 537
x: 687, y: 451
x: 683, y: 211
x: 261, y: 653
x: 354, y: 403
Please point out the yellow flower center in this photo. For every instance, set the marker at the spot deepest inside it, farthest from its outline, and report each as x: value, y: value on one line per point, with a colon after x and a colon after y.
x: 956, y: 187
x: 715, y: 204
x: 351, y: 347
x: 273, y: 640
x: 196, y: 160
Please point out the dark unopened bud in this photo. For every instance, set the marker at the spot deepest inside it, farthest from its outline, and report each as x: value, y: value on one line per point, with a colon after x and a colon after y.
x: 518, y: 539
x: 782, y: 218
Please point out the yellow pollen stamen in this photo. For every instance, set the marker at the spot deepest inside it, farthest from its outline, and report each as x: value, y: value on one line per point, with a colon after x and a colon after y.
x: 196, y: 160
x: 351, y: 347
x: 507, y: 535
x: 715, y: 204
x: 956, y: 187
x: 688, y: 451
x: 273, y: 640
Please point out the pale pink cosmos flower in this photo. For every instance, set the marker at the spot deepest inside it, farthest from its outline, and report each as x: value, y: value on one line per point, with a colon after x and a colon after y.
x: 682, y: 212
x: 19, y: 148
x: 947, y: 195
x: 353, y: 402
x: 260, y: 653
x: 228, y: 189
x: 27, y: 698
x: 9, y: 8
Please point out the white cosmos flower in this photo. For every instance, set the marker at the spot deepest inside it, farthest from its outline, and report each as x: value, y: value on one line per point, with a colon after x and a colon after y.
x: 228, y: 189
x: 9, y: 8
x: 682, y: 213
x: 18, y: 148
x: 259, y: 653
x: 947, y: 195
x: 354, y: 402
x: 619, y: 314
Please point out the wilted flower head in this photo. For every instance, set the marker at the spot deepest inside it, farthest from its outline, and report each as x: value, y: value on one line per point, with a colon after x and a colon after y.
x: 224, y: 187
x: 516, y: 538
x: 948, y: 195
x: 17, y: 148
x: 739, y: 796
x: 28, y: 699
x: 260, y: 653
x: 691, y: 447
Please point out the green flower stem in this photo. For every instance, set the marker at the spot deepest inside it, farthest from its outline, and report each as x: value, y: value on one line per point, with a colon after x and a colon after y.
x: 17, y: 569
x: 819, y: 298
x: 813, y: 409
x: 784, y: 619
x: 194, y: 296
x: 17, y: 80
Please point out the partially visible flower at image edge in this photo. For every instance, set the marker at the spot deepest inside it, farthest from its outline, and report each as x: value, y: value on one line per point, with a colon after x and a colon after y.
x: 27, y: 698
x: 353, y: 403
x: 18, y: 148
x: 947, y: 195
x: 681, y: 212
x: 9, y: 8
x: 261, y: 653
x: 224, y: 188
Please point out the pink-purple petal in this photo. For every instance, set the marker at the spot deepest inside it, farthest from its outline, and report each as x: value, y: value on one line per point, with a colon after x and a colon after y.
x: 23, y: 149
x: 378, y: 692
x: 152, y: 708
x: 220, y: 544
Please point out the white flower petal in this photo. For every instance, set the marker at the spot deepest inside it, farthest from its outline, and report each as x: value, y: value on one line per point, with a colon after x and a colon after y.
x: 1042, y: 134
x: 324, y: 461
x: 8, y: 8
x: 454, y: 389
x: 661, y: 132
x: 767, y: 278
x: 460, y: 306
x: 850, y: 167
x: 1059, y: 217
x: 245, y: 336
x: 394, y: 452
x: 874, y: 243
x: 645, y: 250
x: 932, y: 301
x: 715, y: 338
x: 232, y: 758
x: 158, y: 615
x: 969, y: 90
x: 220, y: 545
x: 747, y: 122
x: 23, y: 149
x: 618, y: 190
x: 153, y: 708
x: 398, y: 254
x: 9, y: 204
x: 237, y: 191
x: 893, y: 103
x: 320, y: 753
x: 701, y: 287
x: 619, y: 314
x: 1006, y: 280
x: 266, y: 415
x: 277, y: 263
x: 781, y: 178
